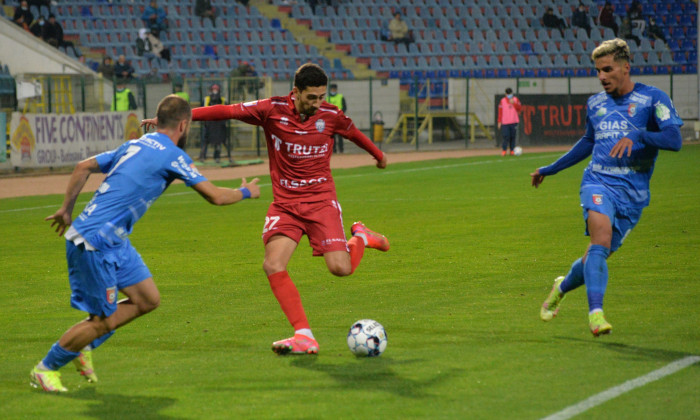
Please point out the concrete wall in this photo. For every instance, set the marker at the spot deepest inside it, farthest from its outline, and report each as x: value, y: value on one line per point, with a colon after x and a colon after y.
x: 24, y: 53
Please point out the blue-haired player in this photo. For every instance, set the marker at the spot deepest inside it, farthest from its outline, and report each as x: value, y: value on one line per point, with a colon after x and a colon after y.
x: 626, y: 126
x: 101, y: 260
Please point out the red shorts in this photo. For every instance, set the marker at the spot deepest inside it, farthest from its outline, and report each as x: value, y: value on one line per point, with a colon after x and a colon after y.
x: 321, y: 221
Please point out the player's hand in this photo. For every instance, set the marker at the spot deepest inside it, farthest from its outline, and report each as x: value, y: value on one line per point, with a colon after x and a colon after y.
x: 61, y: 220
x: 252, y: 186
x: 537, y: 178
x: 625, y: 144
x: 381, y: 164
x: 149, y: 123
x: 499, y: 126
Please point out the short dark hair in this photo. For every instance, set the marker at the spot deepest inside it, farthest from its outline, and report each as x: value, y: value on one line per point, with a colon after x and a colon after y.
x: 171, y: 110
x: 333, y: 86
x: 309, y: 75
x: 509, y: 91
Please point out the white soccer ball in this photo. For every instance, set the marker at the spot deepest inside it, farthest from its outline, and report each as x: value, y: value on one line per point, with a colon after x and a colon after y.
x: 518, y: 151
x: 367, y: 338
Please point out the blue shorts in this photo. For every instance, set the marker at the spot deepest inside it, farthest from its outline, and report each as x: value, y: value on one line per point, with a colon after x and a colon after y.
x: 96, y: 276
x: 623, y: 219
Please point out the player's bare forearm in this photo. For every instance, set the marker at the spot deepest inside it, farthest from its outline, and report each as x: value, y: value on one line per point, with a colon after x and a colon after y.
x: 220, y: 196
x: 64, y: 216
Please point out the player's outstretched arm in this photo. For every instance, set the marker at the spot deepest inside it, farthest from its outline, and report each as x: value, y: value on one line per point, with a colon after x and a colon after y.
x: 537, y: 178
x: 220, y: 196
x: 64, y: 216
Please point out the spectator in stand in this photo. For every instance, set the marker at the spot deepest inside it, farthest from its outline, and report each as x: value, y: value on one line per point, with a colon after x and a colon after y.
x: 106, y: 68
x: 243, y: 2
x: 399, y: 30
x: 251, y: 82
x: 636, y: 15
x: 23, y: 17
x: 552, y: 21
x: 654, y: 31
x: 204, y: 9
x: 38, y: 28
x: 580, y: 18
x: 123, y: 69
x: 312, y: 4
x: 54, y: 36
x: 149, y: 44
x: 607, y: 18
x: 626, y: 31
x: 154, y: 17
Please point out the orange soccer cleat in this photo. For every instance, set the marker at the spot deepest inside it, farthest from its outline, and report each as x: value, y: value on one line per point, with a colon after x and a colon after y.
x: 372, y: 239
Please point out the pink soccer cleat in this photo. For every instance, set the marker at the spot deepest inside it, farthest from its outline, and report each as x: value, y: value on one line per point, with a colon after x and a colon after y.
x: 299, y: 344
x: 372, y: 239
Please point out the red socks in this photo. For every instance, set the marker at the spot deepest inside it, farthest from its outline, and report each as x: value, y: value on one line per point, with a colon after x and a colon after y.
x: 357, y: 250
x: 288, y: 297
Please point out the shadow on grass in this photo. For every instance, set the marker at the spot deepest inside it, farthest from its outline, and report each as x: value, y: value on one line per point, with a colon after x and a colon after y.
x: 375, y: 373
x: 630, y: 351
x: 113, y: 406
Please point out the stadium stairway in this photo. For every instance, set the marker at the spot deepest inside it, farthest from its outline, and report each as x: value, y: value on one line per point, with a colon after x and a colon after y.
x: 303, y: 33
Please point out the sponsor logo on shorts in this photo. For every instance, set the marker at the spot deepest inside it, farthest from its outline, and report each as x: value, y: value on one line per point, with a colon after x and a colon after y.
x: 330, y: 241
x: 597, y: 199
x: 297, y: 183
x: 112, y: 294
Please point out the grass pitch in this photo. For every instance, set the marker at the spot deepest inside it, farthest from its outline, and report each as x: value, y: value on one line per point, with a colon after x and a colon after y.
x: 474, y: 252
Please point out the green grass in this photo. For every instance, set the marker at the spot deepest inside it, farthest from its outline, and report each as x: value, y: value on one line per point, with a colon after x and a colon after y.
x: 474, y: 251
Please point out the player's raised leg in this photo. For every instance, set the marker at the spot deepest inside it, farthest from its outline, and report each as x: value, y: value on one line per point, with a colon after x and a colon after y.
x: 562, y: 285
x: 278, y: 252
x: 371, y: 238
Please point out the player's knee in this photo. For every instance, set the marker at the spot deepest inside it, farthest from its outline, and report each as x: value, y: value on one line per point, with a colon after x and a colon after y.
x: 272, y: 267
x: 340, y: 270
x: 149, y: 304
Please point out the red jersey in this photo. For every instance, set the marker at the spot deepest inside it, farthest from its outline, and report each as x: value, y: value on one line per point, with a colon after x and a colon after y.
x: 299, y: 151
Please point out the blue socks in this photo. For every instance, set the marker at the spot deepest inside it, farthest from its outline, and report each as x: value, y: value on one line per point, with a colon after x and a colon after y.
x: 58, y: 357
x: 574, y: 278
x: 595, y: 273
x: 99, y: 340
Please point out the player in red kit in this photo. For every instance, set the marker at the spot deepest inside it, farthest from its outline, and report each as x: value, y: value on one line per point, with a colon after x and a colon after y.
x: 299, y: 130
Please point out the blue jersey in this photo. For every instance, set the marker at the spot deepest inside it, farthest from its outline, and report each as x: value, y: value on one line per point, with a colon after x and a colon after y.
x: 137, y: 174
x: 638, y: 115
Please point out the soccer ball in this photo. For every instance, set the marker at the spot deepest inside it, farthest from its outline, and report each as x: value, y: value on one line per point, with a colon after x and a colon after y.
x: 518, y: 151
x: 367, y: 338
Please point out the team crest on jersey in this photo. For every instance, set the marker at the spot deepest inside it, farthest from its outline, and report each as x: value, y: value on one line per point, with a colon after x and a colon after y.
x: 112, y: 294
x: 320, y: 125
x: 597, y: 199
x: 632, y: 109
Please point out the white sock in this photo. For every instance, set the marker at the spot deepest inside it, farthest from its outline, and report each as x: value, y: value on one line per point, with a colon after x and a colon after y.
x: 41, y: 366
x: 305, y: 331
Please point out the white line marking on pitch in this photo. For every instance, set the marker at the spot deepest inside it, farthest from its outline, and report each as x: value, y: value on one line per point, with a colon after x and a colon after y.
x: 389, y: 172
x: 628, y: 386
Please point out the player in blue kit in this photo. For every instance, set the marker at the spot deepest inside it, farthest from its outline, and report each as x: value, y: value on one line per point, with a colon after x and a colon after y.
x: 101, y: 260
x: 626, y: 126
